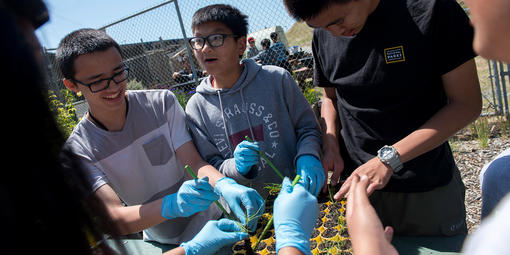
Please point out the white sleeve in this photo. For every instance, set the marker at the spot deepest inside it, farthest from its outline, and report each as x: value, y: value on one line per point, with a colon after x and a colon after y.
x: 491, y: 237
x: 177, y: 124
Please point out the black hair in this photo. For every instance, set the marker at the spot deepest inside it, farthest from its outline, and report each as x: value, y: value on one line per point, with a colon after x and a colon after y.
x: 265, y: 43
x: 41, y: 199
x: 34, y: 11
x: 273, y: 35
x: 81, y: 42
x: 234, y: 19
x: 305, y: 9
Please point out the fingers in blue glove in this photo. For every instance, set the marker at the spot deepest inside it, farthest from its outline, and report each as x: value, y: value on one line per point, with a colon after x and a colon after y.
x: 312, y: 173
x: 213, y: 236
x: 239, y: 196
x: 193, y: 196
x: 246, y: 155
x: 295, y: 214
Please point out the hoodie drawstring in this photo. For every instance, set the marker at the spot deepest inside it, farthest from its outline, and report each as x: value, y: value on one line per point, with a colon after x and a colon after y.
x: 230, y: 145
x: 225, y: 124
x: 247, y: 116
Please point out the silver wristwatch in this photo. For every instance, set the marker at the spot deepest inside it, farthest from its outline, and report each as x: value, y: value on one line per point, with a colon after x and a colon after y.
x: 389, y: 156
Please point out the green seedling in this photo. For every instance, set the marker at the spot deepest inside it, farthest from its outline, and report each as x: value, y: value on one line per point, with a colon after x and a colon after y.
x: 266, y: 159
x: 330, y: 193
x: 273, y: 188
x: 230, y: 217
x: 270, y: 222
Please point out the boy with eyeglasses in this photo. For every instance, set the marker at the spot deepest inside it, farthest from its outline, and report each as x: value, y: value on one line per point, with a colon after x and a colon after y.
x: 133, y: 145
x: 241, y: 99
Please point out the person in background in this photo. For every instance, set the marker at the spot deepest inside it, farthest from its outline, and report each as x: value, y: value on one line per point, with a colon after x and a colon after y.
x: 280, y: 49
x: 389, y: 106
x: 252, y: 49
x: 137, y: 170
x: 267, y: 56
x: 240, y: 99
x: 186, y: 73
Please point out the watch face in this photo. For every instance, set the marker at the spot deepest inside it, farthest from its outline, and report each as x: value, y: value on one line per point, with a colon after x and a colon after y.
x: 387, y: 153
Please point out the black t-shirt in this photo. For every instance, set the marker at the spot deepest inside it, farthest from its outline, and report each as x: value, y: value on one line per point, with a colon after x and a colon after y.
x: 388, y: 82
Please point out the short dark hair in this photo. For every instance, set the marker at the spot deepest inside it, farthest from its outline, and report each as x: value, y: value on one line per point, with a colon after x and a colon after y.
x: 234, y: 19
x: 265, y: 43
x: 273, y: 35
x: 305, y: 9
x: 81, y: 42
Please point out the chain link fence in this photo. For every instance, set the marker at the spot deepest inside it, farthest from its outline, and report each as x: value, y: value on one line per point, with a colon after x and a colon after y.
x: 154, y: 46
x: 499, y: 76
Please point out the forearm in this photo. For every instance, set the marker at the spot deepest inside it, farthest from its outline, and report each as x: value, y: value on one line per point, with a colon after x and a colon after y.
x: 464, y: 106
x: 329, y: 120
x: 189, y: 155
x: 208, y: 170
x: 133, y: 219
x: 437, y: 130
x: 289, y: 250
x: 175, y: 251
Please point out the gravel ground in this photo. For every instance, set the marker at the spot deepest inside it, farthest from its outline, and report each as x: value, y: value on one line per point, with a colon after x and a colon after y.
x: 470, y: 158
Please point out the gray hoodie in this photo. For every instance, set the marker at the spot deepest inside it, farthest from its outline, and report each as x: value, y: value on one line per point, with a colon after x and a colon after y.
x: 266, y: 104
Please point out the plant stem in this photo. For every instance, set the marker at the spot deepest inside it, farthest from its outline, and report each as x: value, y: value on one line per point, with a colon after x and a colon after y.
x: 330, y: 193
x: 216, y: 202
x: 266, y: 159
x: 270, y: 222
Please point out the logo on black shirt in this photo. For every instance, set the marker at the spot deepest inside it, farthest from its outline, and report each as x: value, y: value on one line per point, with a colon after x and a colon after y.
x: 394, y: 54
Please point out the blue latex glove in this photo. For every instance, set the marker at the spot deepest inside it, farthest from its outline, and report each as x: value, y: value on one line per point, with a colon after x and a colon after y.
x: 193, y: 196
x: 312, y: 173
x: 295, y: 214
x: 213, y: 236
x: 238, y: 195
x: 246, y: 155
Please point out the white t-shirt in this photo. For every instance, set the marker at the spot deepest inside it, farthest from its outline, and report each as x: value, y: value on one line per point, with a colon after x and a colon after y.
x: 492, y: 236
x: 139, y: 162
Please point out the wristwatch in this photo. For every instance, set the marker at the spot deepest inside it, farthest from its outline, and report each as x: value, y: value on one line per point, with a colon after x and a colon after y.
x: 389, y: 156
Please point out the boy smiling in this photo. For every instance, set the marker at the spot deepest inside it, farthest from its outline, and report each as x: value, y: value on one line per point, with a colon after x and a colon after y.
x: 246, y: 99
x: 133, y: 145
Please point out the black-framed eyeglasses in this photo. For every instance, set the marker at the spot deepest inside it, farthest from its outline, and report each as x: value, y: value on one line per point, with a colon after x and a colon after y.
x: 105, y: 83
x: 215, y: 40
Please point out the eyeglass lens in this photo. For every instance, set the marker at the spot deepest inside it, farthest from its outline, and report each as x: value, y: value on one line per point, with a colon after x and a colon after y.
x: 214, y: 41
x: 104, y: 84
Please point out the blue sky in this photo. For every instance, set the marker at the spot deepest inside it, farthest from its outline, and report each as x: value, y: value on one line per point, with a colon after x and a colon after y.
x: 69, y: 15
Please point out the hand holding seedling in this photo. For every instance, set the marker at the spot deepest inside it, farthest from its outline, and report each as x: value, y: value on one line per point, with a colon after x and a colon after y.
x: 295, y: 214
x: 214, y: 235
x: 246, y: 156
x: 266, y: 159
x: 239, y: 196
x: 312, y: 173
x: 193, y: 196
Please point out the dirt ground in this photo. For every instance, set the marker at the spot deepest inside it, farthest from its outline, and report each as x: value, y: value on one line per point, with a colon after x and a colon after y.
x: 470, y: 159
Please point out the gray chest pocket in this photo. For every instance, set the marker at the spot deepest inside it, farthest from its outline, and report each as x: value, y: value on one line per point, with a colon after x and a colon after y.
x: 158, y: 151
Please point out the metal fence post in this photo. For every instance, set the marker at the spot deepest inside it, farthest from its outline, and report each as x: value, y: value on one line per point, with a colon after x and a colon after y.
x: 491, y: 76
x: 498, y: 88
x: 186, y: 44
x: 503, y: 85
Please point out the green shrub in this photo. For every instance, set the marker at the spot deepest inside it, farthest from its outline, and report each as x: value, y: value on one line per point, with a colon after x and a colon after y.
x: 183, y: 96
x: 311, y: 94
x: 482, y: 131
x: 134, y: 85
x: 65, y: 113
